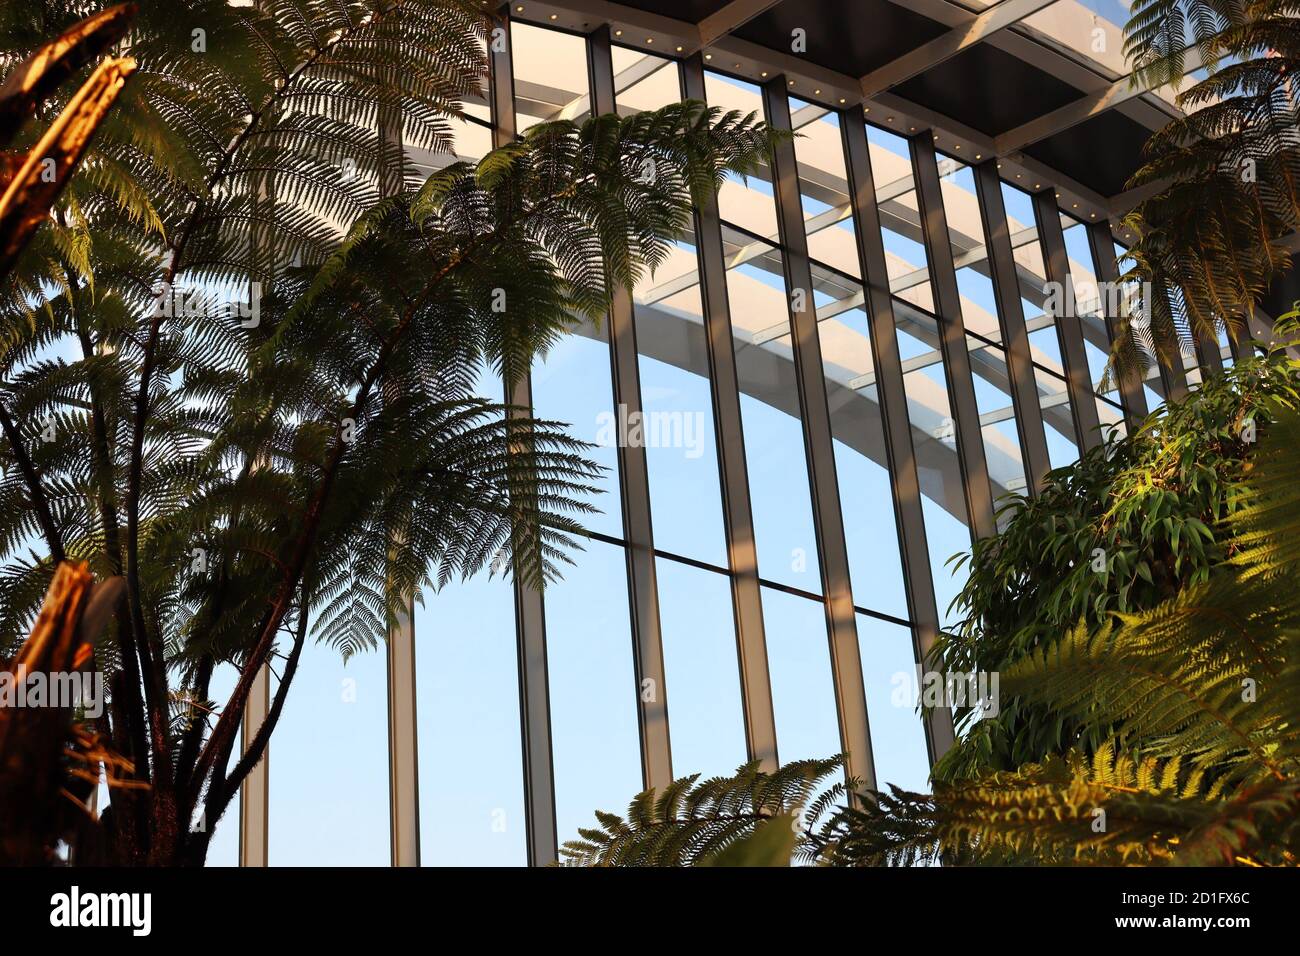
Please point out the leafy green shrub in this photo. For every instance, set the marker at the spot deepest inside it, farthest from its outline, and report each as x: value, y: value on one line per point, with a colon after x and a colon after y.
x: 1133, y: 523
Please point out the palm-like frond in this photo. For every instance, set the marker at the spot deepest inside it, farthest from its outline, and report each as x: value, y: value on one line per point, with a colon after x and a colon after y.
x: 1211, y: 240
x: 693, y: 820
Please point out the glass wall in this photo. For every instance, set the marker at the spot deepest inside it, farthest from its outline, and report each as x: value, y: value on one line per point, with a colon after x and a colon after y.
x: 329, y: 768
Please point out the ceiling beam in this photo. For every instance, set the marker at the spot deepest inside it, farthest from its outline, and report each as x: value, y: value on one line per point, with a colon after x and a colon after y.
x: 1082, y: 110
x: 731, y: 17
x: 947, y: 45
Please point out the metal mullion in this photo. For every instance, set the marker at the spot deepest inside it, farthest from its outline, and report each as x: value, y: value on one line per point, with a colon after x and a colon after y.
x: 738, y: 520
x: 1011, y: 319
x: 1207, y: 354
x: 952, y: 340
x: 828, y: 519
x: 892, y: 396
x: 399, y: 649
x: 255, y: 791
x: 634, y: 489
x: 1132, y: 396
x: 530, y: 611
x: 1069, y: 327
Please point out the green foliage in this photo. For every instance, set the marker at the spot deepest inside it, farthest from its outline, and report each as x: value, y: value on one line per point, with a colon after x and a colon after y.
x: 741, y: 820
x: 1134, y: 523
x: 307, y: 464
x: 1227, y: 175
x: 1201, y: 698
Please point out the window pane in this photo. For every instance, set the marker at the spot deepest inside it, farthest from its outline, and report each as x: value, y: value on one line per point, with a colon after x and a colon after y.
x: 897, y: 734
x: 748, y: 203
x: 550, y: 75
x: 471, y: 777
x: 905, y: 255
x: 572, y: 384
x: 681, y: 447
x: 803, y: 689
x: 774, y: 445
x: 934, y: 443
x: 823, y: 186
x: 705, y: 714
x: 329, y: 762
x: 595, y: 742
x: 861, y: 462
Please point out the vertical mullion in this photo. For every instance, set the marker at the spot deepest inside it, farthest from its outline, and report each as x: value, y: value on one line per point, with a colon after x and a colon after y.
x: 892, y: 395
x: 403, y: 750
x: 952, y: 340
x: 1011, y: 319
x: 746, y: 595
x: 255, y: 792
x: 1069, y: 327
x: 1101, y: 243
x: 1173, y: 378
x: 530, y: 611
x: 1207, y: 353
x: 846, y: 664
x: 634, y: 488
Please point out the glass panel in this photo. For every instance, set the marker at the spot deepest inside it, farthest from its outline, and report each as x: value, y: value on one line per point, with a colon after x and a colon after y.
x: 643, y: 81
x: 984, y: 332
x: 329, y: 762
x: 979, y: 308
x: 573, y: 384
x: 861, y: 462
x: 906, y: 260
x: 747, y: 203
x: 1058, y: 422
x: 823, y: 185
x: 997, y: 417
x: 774, y: 445
x: 550, y: 75
x: 471, y: 786
x: 897, y: 734
x: 705, y: 715
x: 934, y: 443
x: 681, y: 451
x: 595, y: 741
x: 803, y: 688
x: 1089, y: 307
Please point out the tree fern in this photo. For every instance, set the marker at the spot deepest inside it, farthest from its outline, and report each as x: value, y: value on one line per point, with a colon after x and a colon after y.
x: 1227, y: 175
x: 693, y: 821
x: 242, y: 357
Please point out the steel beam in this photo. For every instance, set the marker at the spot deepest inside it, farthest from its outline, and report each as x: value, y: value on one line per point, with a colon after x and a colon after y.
x: 1102, y: 244
x: 1069, y: 327
x: 891, y: 394
x: 255, y: 791
x: 1011, y: 319
x: 738, y: 519
x: 952, y: 339
x: 530, y: 611
x: 731, y: 17
x: 947, y: 45
x: 634, y: 485
x: 828, y: 520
